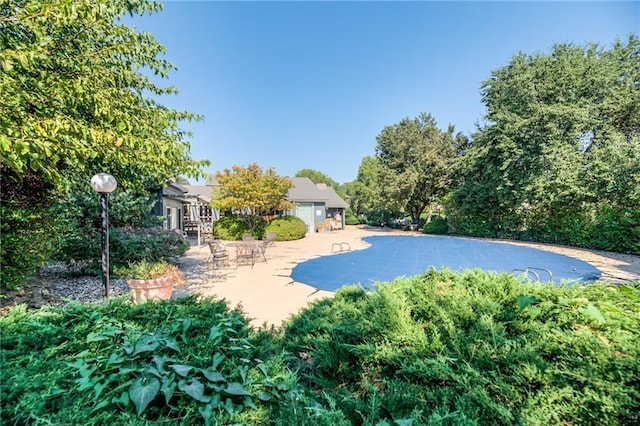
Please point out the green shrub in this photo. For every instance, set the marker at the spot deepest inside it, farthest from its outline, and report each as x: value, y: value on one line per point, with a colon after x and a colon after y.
x: 381, y: 217
x: 474, y: 348
x: 438, y: 225
x: 26, y: 244
x: 617, y: 230
x: 350, y: 218
x: 231, y: 228
x: 287, y: 228
x: 185, y: 361
x: 148, y: 244
x: 79, y: 212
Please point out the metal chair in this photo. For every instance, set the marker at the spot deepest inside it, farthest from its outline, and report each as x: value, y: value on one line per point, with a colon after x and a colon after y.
x: 245, y: 253
x: 219, y: 255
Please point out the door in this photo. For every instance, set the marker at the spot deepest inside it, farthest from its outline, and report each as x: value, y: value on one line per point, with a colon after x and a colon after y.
x: 304, y: 211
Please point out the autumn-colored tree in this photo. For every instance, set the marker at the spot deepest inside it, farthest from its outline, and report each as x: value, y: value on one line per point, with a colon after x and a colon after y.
x: 251, y: 192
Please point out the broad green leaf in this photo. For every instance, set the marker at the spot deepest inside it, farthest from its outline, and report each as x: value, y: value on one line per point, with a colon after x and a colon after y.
x: 100, y: 405
x: 524, y: 301
x: 213, y: 376
x: 217, y: 359
x: 96, y: 337
x: 182, y: 369
x: 194, y: 389
x: 168, y: 388
x: 122, y: 399
x: 205, y: 412
x: 172, y: 344
x: 593, y: 313
x: 236, y: 388
x: 143, y: 391
x: 145, y: 345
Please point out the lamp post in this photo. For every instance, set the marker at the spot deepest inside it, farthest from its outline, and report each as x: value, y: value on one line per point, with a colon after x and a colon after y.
x: 104, y: 183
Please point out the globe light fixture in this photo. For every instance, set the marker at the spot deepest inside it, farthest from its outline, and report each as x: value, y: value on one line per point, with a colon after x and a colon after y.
x: 104, y: 184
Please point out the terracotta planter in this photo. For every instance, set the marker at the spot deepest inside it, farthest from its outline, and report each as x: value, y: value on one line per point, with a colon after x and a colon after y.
x: 321, y: 228
x: 156, y: 289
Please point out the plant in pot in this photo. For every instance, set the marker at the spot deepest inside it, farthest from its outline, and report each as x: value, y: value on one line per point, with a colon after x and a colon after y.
x: 151, y: 280
x: 321, y: 227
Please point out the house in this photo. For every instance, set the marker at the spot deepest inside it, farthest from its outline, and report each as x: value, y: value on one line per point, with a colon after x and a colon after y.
x: 187, y: 207
x: 316, y: 203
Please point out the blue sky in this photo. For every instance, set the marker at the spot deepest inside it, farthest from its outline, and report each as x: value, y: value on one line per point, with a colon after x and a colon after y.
x: 295, y: 85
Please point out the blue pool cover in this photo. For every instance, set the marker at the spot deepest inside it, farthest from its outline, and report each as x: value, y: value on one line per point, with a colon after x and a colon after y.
x: 390, y: 257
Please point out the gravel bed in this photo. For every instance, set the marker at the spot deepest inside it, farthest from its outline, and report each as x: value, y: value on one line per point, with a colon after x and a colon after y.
x: 55, y: 285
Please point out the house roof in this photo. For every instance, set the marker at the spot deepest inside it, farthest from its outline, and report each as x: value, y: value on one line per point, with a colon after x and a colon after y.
x: 203, y: 192
x: 173, y: 189
x: 304, y: 190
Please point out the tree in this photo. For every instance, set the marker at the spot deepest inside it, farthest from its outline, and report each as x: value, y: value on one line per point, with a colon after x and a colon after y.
x: 75, y: 97
x: 76, y: 100
x: 414, y: 158
x: 363, y: 193
x: 560, y: 144
x: 251, y: 192
x: 317, y: 177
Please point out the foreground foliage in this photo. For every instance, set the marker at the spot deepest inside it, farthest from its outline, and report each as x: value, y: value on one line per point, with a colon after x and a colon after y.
x: 475, y: 348
x: 181, y: 361
x: 441, y: 348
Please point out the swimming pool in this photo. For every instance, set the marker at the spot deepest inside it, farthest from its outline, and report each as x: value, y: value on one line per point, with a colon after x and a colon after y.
x: 390, y: 257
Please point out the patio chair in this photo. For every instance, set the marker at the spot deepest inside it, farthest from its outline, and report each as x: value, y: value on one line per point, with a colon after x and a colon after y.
x: 219, y: 255
x: 270, y: 238
x: 245, y: 253
x: 260, y: 250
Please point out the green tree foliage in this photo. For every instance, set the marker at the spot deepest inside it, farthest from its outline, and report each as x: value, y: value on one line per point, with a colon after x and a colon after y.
x: 414, y: 163
x: 317, y: 177
x: 560, y: 148
x: 363, y: 193
x: 77, y: 100
x: 251, y: 192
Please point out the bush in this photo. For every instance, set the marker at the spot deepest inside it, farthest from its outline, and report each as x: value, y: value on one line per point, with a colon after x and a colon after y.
x: 231, y: 228
x: 26, y: 243
x: 438, y: 225
x: 381, y: 217
x: 149, y: 244
x: 287, y: 228
x: 474, y: 348
x: 352, y: 220
x: 617, y: 230
x: 79, y: 213
x: 185, y: 361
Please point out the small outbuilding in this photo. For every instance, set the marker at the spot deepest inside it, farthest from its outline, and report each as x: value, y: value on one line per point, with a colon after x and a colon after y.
x: 317, y: 204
